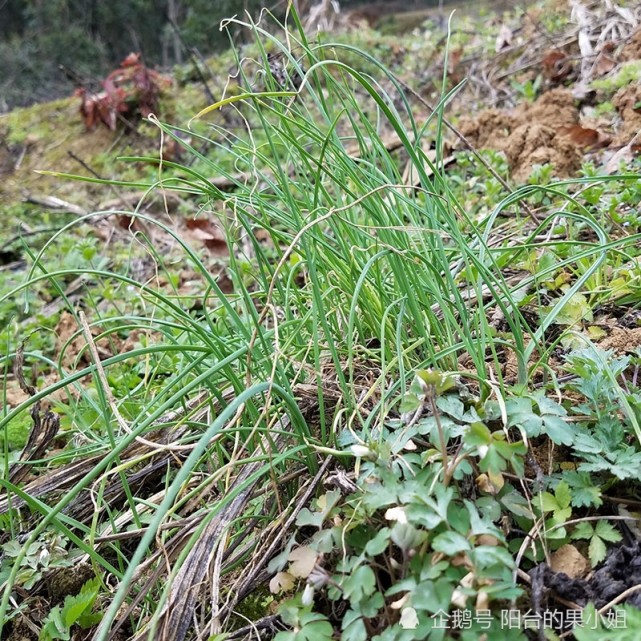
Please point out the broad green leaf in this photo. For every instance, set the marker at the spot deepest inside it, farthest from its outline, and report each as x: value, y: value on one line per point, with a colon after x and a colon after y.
x: 596, y: 550
x: 361, y: 583
x: 583, y: 530
x: 607, y: 531
x: 307, y: 517
x: 547, y: 502
x: 353, y: 627
x: 379, y: 543
x: 450, y: 543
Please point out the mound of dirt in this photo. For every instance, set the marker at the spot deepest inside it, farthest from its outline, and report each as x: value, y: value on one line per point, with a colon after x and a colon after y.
x: 532, y: 134
x: 627, y: 102
x: 620, y: 571
x: 632, y: 48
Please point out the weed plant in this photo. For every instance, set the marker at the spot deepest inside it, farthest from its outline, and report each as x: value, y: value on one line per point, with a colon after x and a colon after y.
x: 369, y: 329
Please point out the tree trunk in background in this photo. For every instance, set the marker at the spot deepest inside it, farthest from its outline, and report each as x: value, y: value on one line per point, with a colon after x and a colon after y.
x: 172, y: 14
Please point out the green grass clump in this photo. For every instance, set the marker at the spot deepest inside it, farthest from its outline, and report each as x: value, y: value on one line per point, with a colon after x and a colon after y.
x: 409, y: 334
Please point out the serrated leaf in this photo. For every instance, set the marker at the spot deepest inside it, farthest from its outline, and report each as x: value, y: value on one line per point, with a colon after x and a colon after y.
x: 575, y: 310
x: 560, y: 431
x: 478, y: 434
x: 74, y: 606
x: 409, y: 403
x: 562, y: 494
x: 547, y: 502
x: 307, y: 517
x: 379, y: 543
x: 450, y: 543
x: 583, y: 530
x: 360, y: 584
x: 596, y: 550
x: 353, y: 627
x: 451, y: 405
x: 328, y: 501
x: 584, y: 492
x: 517, y: 504
x: 607, y: 532
x: 521, y: 414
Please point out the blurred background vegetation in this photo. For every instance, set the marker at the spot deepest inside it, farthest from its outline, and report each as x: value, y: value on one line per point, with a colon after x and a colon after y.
x: 47, y: 47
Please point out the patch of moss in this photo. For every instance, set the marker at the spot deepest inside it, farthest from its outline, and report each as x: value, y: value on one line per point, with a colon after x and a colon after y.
x: 628, y: 73
x: 16, y: 432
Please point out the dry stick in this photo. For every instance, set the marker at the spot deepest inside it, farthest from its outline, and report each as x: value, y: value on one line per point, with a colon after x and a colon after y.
x: 280, y: 533
x: 468, y: 144
x: 624, y: 595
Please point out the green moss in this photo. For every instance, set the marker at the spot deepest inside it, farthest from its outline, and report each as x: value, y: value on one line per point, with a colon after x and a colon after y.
x: 628, y: 73
x: 16, y: 432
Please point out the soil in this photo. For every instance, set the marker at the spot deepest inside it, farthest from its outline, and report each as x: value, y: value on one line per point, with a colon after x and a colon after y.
x: 560, y: 125
x: 532, y: 134
x: 627, y: 101
x: 620, y: 571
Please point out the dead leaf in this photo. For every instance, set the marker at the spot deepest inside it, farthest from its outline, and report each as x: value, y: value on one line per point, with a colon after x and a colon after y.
x: 302, y: 561
x: 209, y: 233
x: 569, y: 560
x: 585, y: 137
x: 556, y: 65
x: 602, y: 65
x: 282, y: 582
x: 504, y: 39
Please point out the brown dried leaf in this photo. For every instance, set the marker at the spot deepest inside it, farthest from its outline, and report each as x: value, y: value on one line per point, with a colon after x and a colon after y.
x: 209, y: 233
x: 585, y: 137
x: 556, y: 65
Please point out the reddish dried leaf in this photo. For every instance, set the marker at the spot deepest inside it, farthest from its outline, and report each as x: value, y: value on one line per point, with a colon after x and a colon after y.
x: 585, y: 137
x: 130, y: 60
x: 556, y: 65
x: 603, y: 64
x: 208, y: 233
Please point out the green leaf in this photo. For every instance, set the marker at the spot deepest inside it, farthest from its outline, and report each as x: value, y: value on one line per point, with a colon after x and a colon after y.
x: 607, y: 531
x: 547, y: 502
x: 583, y: 530
x: 563, y: 494
x: 478, y: 434
x: 432, y: 596
x: 353, y: 627
x: 451, y: 405
x: 307, y: 517
x: 450, y: 543
x: 560, y: 431
x: 517, y: 504
x: 379, y: 543
x: 521, y: 414
x: 312, y: 627
x: 596, y: 550
x: 359, y: 584
x: 75, y: 606
x: 575, y: 310
x: 584, y: 492
x: 409, y: 403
